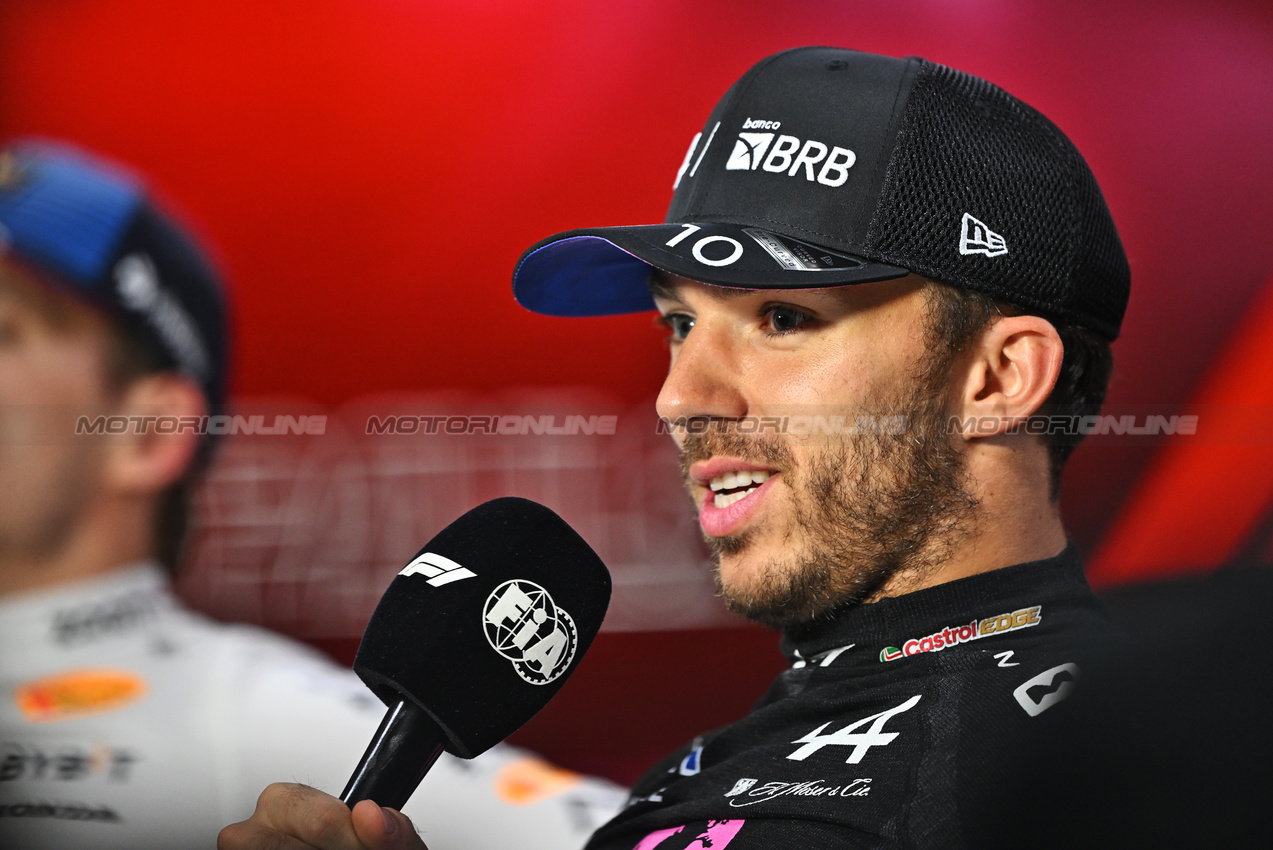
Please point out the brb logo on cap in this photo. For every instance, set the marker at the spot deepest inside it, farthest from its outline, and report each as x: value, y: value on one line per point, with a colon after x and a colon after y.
x: 524, y: 625
x: 754, y: 151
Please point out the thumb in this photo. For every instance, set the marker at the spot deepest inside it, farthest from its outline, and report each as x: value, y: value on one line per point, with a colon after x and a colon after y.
x: 384, y: 829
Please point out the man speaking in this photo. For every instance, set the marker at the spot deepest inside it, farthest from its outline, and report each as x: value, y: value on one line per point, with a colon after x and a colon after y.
x: 889, y: 289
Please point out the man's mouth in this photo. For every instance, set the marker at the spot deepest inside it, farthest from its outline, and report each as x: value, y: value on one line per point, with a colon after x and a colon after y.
x: 730, y: 487
x: 735, y: 492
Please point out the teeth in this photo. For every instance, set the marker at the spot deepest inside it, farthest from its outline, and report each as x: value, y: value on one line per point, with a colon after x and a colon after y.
x: 741, y: 478
x: 751, y: 479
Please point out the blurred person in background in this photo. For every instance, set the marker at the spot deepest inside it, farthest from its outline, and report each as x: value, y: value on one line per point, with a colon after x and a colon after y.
x: 127, y: 721
x: 879, y: 276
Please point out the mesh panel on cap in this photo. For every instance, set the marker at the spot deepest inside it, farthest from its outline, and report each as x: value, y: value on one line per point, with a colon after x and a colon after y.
x: 967, y: 147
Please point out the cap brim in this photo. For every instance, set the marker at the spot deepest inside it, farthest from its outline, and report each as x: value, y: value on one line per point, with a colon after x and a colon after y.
x: 604, y: 270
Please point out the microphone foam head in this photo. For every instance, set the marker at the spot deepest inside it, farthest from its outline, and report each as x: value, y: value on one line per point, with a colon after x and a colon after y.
x: 483, y: 626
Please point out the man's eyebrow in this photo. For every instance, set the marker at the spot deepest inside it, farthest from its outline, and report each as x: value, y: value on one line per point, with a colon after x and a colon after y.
x: 662, y: 285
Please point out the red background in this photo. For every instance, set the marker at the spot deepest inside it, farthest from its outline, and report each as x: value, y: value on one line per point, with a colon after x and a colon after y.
x: 368, y: 171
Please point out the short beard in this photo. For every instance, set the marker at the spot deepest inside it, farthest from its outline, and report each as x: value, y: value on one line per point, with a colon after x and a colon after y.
x: 873, y: 507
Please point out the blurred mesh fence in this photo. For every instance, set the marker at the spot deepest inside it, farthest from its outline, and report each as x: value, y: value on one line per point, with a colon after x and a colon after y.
x: 302, y: 532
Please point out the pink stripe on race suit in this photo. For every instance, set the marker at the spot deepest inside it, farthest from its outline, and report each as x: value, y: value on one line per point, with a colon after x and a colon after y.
x: 717, y: 835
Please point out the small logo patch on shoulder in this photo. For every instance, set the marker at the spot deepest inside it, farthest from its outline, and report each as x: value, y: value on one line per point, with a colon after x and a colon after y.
x: 77, y: 694
x: 1048, y: 688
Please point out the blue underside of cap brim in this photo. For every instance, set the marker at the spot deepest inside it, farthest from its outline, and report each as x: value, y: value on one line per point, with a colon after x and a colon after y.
x: 70, y: 219
x: 582, y: 276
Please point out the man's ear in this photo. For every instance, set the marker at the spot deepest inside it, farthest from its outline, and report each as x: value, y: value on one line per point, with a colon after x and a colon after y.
x: 1008, y: 374
x: 162, y: 440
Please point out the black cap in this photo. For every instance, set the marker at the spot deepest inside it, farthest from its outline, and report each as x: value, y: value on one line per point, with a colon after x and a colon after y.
x: 824, y: 167
x: 93, y: 227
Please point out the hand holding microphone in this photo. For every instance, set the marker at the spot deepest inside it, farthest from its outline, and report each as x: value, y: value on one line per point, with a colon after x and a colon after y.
x: 289, y: 815
x: 475, y: 635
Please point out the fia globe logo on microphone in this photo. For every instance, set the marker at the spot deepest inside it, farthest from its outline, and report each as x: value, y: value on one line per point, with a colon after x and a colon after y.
x: 525, y: 626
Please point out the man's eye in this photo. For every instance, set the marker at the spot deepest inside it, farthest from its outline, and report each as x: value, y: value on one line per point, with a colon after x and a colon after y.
x: 679, y: 325
x: 785, y: 319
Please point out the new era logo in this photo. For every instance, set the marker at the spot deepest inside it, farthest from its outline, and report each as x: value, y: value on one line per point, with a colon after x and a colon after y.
x: 976, y: 238
x: 437, y: 569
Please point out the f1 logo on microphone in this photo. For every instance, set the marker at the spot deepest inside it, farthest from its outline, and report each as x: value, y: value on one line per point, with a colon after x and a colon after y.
x: 437, y: 569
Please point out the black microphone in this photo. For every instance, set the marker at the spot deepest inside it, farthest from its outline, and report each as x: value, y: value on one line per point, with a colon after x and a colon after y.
x: 473, y: 637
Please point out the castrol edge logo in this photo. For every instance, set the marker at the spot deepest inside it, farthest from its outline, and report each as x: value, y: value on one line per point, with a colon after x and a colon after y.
x: 975, y: 630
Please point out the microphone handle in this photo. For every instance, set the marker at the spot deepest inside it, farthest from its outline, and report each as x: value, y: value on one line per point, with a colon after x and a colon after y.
x: 405, y: 746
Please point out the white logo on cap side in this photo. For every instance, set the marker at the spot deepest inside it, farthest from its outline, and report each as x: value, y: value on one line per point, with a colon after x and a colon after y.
x: 137, y: 282
x: 139, y: 287
x: 706, y: 145
x: 976, y: 238
x: 680, y: 172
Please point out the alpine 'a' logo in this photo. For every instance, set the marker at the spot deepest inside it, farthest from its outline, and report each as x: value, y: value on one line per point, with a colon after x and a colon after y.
x: 976, y: 238
x: 523, y: 624
x: 874, y: 736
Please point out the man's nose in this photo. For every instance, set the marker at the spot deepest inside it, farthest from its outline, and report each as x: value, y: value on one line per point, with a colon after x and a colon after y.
x: 704, y: 380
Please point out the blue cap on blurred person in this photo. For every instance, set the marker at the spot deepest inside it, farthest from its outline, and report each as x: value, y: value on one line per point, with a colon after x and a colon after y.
x: 93, y: 227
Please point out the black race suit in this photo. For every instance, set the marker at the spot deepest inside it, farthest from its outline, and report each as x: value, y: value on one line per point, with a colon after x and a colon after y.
x: 892, y: 721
